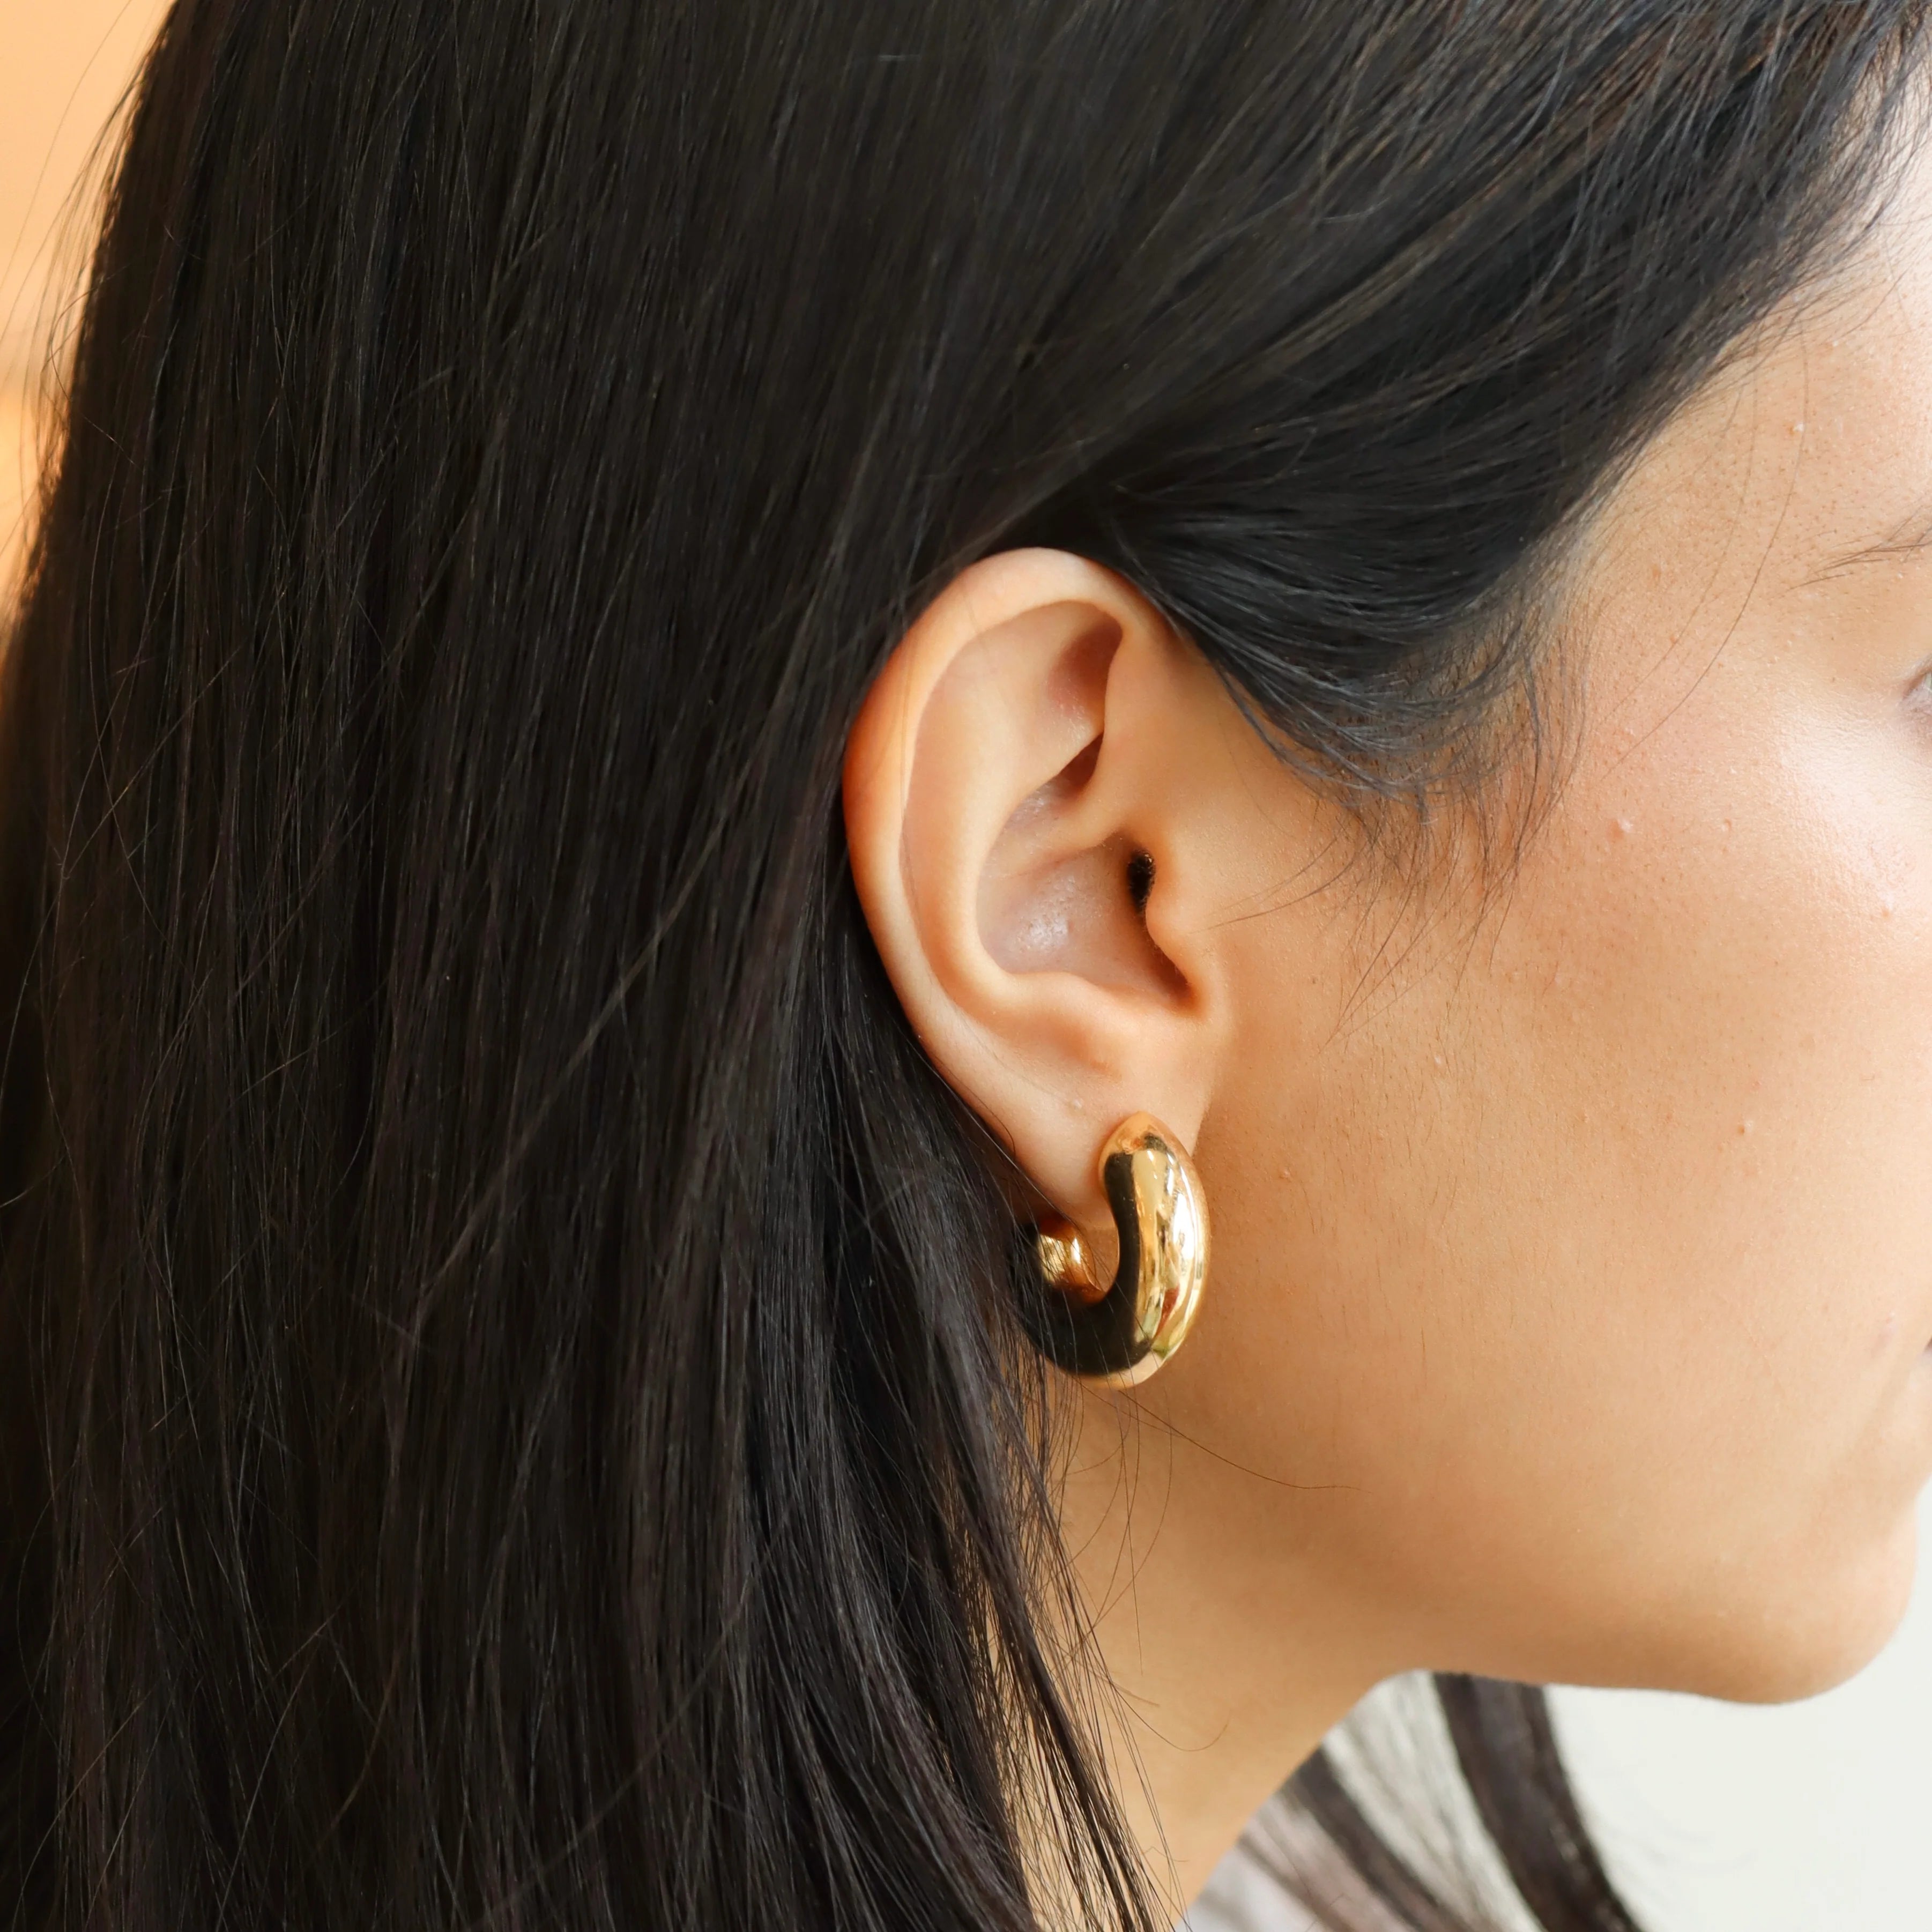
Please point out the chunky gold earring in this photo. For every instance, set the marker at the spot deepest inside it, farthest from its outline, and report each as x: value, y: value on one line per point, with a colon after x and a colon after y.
x: 1120, y: 1333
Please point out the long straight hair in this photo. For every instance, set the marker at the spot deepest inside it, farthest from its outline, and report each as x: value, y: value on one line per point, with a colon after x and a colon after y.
x: 519, y: 1417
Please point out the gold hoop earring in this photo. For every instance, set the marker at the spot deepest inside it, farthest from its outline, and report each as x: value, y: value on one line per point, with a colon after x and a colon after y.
x: 1119, y: 1333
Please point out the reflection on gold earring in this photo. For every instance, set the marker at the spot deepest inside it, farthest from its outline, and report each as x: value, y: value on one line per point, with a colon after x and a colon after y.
x: 1119, y: 1333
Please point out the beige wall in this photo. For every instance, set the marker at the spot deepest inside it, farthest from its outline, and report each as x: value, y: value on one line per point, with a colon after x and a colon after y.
x: 64, y: 64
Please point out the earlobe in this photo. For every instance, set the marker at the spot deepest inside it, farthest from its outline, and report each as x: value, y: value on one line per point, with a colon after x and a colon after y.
x: 1020, y: 835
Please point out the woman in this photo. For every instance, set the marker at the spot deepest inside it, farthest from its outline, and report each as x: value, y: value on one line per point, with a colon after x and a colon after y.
x: 725, y: 713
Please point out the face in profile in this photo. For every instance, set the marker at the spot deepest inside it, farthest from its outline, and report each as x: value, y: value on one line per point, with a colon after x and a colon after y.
x: 1574, y: 1274
x: 1572, y: 1284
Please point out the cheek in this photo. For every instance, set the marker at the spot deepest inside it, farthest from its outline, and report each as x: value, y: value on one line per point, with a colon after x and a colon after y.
x: 1730, y: 1049
x: 1592, y: 1261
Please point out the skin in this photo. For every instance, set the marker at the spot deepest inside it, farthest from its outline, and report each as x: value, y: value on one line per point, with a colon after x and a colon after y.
x: 1572, y: 1281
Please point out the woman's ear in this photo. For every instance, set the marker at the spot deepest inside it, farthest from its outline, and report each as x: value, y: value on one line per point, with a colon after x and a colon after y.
x: 1030, y: 835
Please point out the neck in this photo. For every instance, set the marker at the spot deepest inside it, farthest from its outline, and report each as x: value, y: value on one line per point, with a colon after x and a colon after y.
x: 1229, y: 1660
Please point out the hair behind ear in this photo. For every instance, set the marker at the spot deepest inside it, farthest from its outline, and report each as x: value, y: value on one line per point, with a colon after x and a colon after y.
x: 518, y: 1329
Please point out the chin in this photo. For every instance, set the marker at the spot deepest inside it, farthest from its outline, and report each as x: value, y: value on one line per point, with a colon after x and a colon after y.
x: 1807, y: 1634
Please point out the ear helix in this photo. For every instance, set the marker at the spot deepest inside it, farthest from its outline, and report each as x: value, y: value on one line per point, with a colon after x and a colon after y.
x: 1120, y: 1333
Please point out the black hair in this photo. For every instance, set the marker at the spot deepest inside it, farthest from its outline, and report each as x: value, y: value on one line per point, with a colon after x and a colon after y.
x: 520, y: 1420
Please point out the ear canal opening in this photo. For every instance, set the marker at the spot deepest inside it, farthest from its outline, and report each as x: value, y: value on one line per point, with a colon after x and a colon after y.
x: 1140, y: 877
